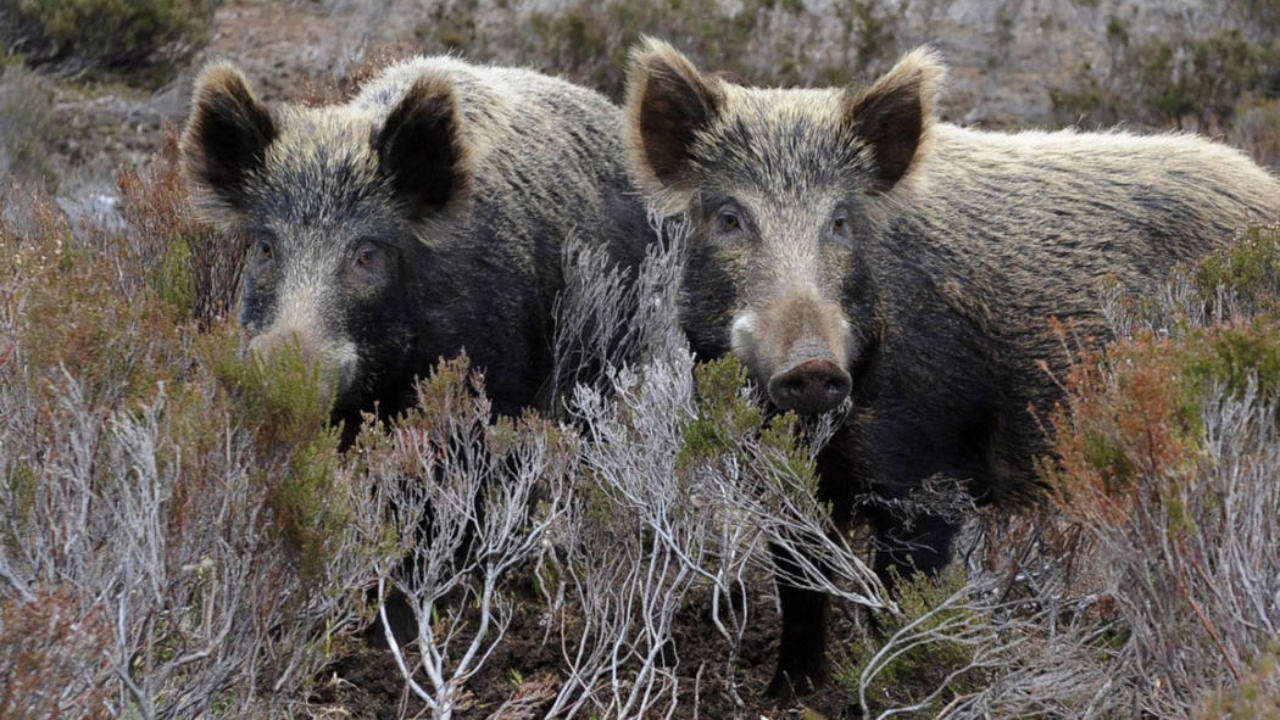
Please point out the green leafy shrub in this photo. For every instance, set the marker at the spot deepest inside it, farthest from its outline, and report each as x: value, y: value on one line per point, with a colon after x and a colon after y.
x: 1247, y: 274
x: 729, y: 425
x: 285, y: 402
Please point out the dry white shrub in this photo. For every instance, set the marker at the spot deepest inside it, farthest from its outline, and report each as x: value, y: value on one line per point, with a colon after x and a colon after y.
x: 196, y: 595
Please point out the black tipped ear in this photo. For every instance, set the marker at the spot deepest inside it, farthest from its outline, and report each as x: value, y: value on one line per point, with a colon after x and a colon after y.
x: 226, y: 136
x: 894, y: 116
x: 420, y: 148
x: 668, y: 102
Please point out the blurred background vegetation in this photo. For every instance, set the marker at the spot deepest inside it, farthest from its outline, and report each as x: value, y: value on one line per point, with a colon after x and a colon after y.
x: 87, y: 85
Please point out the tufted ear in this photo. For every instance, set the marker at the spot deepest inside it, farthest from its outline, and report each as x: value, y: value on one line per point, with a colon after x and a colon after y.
x: 895, y: 115
x: 668, y: 103
x: 421, y: 150
x: 226, y: 138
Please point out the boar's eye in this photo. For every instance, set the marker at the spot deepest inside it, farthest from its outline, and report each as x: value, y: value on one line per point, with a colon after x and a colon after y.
x: 841, y: 227
x: 727, y: 222
x: 366, y: 255
x: 371, y: 260
x: 263, y: 251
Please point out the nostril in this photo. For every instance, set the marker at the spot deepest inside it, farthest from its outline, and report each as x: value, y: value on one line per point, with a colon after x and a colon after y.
x: 810, y: 387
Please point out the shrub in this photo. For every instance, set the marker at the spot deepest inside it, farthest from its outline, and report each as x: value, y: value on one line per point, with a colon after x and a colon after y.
x: 1163, y: 448
x: 1184, y: 78
x: 26, y: 122
x: 932, y: 647
x: 175, y: 504
x: 44, y: 643
x: 761, y: 41
x: 190, y: 265
x: 1243, y: 280
x: 122, y: 36
x: 1257, y: 696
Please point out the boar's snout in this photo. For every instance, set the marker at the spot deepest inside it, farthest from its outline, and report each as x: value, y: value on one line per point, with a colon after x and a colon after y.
x: 811, y: 386
x: 335, y: 361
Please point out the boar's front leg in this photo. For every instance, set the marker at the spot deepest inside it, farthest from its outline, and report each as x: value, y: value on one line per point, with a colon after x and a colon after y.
x: 802, y: 652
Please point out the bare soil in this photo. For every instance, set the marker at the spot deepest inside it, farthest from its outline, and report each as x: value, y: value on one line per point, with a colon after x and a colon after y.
x: 521, y: 680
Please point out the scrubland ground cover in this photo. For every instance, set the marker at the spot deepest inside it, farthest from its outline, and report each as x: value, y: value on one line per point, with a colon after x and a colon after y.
x: 181, y: 533
x: 182, y: 536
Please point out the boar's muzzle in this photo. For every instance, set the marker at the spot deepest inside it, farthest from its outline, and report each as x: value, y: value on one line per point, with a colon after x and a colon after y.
x: 812, y: 383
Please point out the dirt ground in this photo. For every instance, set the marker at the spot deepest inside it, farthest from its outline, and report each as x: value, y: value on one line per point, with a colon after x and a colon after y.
x: 520, y: 682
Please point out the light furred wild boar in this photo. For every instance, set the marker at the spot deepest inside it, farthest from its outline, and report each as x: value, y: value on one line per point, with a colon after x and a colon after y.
x: 847, y: 244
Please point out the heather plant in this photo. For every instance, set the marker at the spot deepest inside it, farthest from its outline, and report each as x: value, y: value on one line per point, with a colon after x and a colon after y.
x: 175, y: 503
x: 26, y: 126
x: 1256, y: 696
x: 1243, y: 281
x: 471, y: 503
x: 76, y: 36
x: 190, y: 265
x: 783, y: 43
x: 1197, y: 76
x: 1164, y: 452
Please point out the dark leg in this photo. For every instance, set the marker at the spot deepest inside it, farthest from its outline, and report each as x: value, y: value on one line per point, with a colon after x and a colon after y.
x: 401, y: 618
x: 802, y: 664
x: 802, y: 654
x: 905, y: 546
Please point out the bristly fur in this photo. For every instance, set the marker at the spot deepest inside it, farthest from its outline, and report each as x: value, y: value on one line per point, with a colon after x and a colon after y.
x: 428, y: 176
x: 423, y: 217
x: 656, y: 63
x: 243, y: 127
x: 850, y: 230
x: 913, y: 86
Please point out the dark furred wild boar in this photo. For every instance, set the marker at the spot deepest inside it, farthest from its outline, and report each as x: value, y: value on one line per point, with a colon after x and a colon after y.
x: 423, y: 217
x: 848, y: 245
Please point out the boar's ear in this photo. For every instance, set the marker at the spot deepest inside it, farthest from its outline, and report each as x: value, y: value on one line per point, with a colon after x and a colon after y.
x: 668, y: 103
x: 420, y: 147
x: 226, y: 138
x: 895, y: 115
